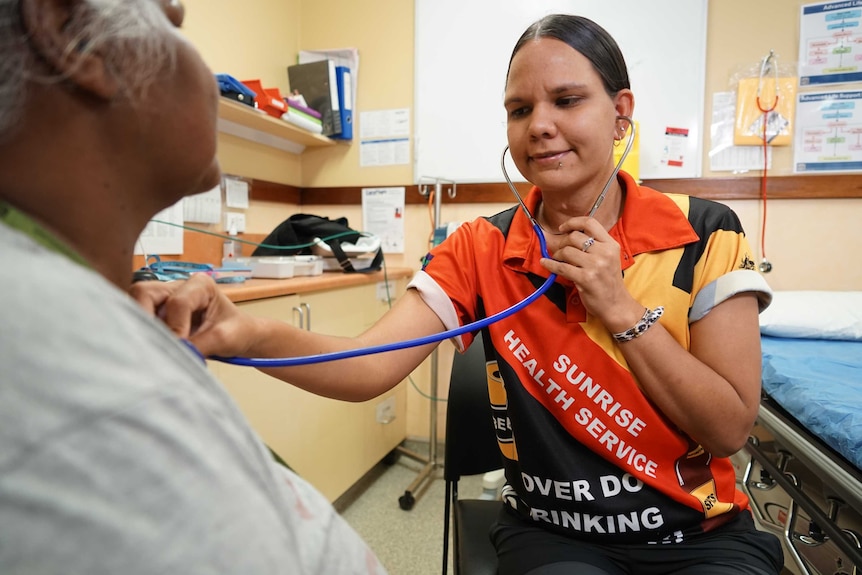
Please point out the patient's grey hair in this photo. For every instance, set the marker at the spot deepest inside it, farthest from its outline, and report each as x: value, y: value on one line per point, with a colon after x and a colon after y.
x: 129, y: 33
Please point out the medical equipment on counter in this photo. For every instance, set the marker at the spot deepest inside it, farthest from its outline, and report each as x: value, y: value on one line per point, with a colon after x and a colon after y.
x: 434, y: 338
x: 448, y: 334
x: 156, y: 269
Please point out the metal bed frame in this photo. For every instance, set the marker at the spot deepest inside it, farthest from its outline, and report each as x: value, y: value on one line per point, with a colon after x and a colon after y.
x: 804, y: 492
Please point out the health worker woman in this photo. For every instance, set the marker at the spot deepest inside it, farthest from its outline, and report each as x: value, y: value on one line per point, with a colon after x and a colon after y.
x: 626, y: 386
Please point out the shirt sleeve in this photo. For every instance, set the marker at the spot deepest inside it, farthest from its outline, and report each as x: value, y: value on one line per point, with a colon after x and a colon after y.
x: 727, y: 269
x: 727, y: 286
x: 447, y: 282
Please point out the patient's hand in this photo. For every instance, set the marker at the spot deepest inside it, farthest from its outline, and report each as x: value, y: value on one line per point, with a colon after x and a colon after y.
x: 197, y: 310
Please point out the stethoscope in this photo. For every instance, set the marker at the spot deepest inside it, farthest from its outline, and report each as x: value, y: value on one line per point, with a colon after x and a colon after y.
x: 601, y: 196
x: 455, y: 332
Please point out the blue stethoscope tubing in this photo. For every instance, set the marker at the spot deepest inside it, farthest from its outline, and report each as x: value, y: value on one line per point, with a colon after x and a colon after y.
x: 433, y: 338
x: 448, y: 334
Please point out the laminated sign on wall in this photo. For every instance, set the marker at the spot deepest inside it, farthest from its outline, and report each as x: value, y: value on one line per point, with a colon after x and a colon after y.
x: 776, y: 101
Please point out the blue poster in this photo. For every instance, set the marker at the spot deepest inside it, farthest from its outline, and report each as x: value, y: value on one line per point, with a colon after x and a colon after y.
x: 830, y: 43
x: 828, y: 135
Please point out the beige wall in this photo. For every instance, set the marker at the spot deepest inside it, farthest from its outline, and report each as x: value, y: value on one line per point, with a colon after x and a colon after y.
x: 808, y: 241
x: 249, y: 39
x: 253, y: 39
x: 382, y: 31
x: 737, y: 40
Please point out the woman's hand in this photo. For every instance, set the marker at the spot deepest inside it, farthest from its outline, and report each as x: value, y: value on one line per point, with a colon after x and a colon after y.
x: 197, y: 310
x: 588, y: 256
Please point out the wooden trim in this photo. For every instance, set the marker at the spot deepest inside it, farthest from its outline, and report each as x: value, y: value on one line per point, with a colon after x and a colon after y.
x: 465, y: 194
x: 272, y: 192
x: 340, y: 196
x: 779, y: 187
x: 815, y: 187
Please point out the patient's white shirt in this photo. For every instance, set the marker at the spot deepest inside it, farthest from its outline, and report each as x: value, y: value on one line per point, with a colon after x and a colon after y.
x: 120, y: 454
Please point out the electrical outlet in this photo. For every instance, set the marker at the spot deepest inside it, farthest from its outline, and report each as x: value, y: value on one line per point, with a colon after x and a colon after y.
x: 386, y: 410
x: 386, y: 291
x: 235, y: 218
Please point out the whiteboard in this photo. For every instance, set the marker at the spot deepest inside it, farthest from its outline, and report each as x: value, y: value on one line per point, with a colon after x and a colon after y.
x: 462, y: 50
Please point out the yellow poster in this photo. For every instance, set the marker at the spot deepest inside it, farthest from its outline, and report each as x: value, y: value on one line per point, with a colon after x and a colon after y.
x: 777, y: 107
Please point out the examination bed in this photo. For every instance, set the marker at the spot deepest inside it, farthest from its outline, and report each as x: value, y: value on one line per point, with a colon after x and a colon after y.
x: 802, y: 468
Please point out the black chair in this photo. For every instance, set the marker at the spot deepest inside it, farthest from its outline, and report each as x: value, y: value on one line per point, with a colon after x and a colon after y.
x: 471, y: 448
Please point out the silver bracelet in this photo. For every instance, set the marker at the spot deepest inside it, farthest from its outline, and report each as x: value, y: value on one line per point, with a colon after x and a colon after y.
x: 649, y: 318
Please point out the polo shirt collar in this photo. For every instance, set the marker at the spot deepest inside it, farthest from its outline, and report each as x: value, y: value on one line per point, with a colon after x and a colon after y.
x: 664, y: 227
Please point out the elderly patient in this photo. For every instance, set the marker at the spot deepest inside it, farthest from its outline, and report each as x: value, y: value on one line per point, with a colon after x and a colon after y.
x: 118, y: 451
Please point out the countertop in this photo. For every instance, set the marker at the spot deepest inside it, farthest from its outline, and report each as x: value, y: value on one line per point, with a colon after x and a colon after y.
x: 252, y: 289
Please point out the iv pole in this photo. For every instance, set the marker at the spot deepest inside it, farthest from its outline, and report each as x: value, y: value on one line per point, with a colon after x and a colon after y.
x: 407, y: 500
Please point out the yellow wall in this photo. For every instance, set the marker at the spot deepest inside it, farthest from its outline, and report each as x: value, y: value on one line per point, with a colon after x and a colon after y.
x: 382, y: 31
x: 249, y: 39
x: 253, y: 39
x: 807, y: 240
x: 258, y: 39
x: 740, y: 34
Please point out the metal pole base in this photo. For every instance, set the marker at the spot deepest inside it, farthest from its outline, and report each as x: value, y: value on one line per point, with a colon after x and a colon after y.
x: 426, y: 474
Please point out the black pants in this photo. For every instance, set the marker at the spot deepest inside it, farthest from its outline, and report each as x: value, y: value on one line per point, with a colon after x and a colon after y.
x: 569, y: 568
x: 734, y: 549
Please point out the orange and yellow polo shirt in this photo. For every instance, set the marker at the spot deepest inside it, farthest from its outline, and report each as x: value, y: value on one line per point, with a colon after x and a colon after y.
x: 586, y: 453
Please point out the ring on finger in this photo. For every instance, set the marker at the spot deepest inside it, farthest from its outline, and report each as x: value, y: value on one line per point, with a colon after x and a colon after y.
x: 588, y: 244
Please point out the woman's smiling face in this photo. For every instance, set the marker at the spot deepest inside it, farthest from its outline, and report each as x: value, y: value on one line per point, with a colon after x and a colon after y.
x: 560, y: 118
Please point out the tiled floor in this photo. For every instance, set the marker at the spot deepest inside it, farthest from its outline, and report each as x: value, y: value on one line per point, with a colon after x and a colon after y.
x: 406, y: 542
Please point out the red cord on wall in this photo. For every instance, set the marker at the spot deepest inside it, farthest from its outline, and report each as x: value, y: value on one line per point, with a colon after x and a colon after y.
x: 765, y: 266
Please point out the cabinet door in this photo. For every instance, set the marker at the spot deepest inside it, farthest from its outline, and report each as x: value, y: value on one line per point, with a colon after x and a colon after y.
x: 347, y: 311
x: 284, y: 416
x: 330, y: 443
x: 350, y: 440
x: 285, y: 308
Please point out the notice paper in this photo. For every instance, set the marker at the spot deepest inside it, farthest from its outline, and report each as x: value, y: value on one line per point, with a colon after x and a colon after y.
x: 385, y: 137
x: 235, y: 192
x: 675, y: 142
x: 163, y: 238
x: 204, y: 208
x: 383, y: 216
x: 384, y: 152
x: 723, y: 154
x: 384, y: 123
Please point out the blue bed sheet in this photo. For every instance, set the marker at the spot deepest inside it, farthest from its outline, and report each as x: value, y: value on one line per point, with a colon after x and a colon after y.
x: 819, y: 382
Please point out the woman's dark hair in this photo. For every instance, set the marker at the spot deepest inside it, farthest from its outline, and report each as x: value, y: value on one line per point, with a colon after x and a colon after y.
x: 588, y: 38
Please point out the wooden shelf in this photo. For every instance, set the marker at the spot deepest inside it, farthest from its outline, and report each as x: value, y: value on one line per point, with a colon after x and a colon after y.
x: 250, y: 124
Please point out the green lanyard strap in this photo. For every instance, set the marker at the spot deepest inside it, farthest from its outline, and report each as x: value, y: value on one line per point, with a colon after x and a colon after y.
x: 20, y: 221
